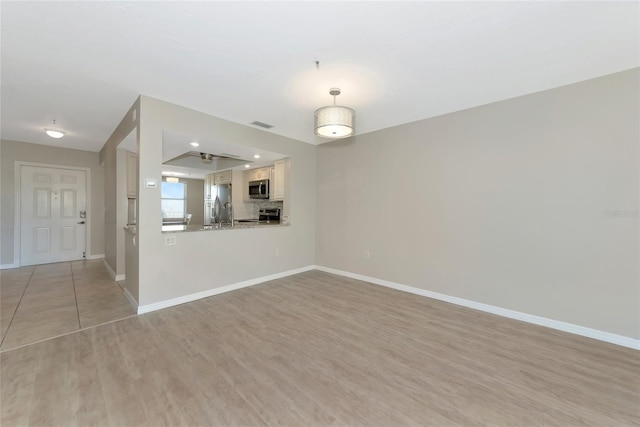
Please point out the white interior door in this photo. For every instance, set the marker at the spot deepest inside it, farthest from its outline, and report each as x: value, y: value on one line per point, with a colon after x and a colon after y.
x: 52, y: 214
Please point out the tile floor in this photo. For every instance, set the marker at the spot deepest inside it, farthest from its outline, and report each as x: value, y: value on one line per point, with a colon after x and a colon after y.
x: 44, y: 301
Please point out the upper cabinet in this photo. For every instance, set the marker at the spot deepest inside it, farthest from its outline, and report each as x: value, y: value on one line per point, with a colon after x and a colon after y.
x: 256, y: 174
x: 217, y: 178
x: 208, y: 183
x: 223, y: 177
x: 272, y: 173
x: 132, y: 175
x: 262, y: 173
x: 278, y: 180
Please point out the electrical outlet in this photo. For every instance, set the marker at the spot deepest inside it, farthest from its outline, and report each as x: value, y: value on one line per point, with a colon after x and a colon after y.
x: 367, y: 254
x: 277, y: 252
x: 170, y: 240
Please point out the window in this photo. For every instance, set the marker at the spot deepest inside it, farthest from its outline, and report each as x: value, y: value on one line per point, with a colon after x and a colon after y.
x: 174, y: 200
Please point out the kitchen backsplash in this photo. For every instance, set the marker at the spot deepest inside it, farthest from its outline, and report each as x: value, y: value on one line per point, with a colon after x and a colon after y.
x: 267, y: 204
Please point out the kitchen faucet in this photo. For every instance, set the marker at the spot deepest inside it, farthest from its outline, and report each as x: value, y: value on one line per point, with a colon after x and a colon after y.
x: 228, y: 204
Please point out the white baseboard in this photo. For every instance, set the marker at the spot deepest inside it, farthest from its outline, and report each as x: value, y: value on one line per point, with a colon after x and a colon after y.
x: 529, y: 318
x: 7, y: 266
x: 96, y: 256
x: 109, y: 269
x: 114, y: 276
x: 216, y: 291
x: 131, y: 299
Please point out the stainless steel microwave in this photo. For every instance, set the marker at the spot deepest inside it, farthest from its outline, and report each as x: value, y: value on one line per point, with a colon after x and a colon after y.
x: 259, y: 189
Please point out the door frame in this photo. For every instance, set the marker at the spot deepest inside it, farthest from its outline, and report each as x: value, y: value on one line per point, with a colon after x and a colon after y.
x: 17, y: 220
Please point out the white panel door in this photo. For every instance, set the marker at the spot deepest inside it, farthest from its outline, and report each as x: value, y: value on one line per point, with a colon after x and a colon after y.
x: 52, y: 228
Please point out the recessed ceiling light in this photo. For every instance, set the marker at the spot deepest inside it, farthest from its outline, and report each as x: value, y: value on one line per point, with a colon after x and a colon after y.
x: 169, y: 173
x: 247, y: 166
x: 194, y: 144
x: 54, y: 133
x: 256, y: 156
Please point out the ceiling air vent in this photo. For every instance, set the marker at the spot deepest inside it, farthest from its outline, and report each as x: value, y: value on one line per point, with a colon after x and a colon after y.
x: 262, y: 125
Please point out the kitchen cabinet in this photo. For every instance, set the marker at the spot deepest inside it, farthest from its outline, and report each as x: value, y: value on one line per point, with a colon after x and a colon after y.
x: 246, y: 177
x: 272, y: 173
x: 277, y: 183
x: 209, y: 181
x: 262, y: 173
x: 132, y: 175
x: 256, y: 174
x: 223, y: 177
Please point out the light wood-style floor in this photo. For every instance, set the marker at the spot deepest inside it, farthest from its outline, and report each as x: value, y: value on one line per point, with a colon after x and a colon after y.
x: 48, y: 300
x: 316, y: 350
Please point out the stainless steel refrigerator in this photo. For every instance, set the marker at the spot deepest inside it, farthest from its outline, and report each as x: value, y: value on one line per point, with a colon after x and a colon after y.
x: 218, y: 208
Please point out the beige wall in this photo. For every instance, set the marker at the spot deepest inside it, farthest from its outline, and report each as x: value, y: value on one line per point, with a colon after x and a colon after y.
x: 202, y: 261
x: 11, y: 151
x: 114, y: 196
x: 529, y: 204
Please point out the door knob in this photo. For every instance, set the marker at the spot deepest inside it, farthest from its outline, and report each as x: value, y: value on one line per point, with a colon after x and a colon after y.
x: 81, y: 222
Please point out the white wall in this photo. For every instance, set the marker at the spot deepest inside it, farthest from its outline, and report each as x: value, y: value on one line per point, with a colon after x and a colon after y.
x: 508, y: 204
x: 201, y: 261
x: 11, y: 151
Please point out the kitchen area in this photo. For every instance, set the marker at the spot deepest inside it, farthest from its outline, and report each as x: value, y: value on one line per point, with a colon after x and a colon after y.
x: 226, y: 187
x: 234, y: 199
x: 217, y: 190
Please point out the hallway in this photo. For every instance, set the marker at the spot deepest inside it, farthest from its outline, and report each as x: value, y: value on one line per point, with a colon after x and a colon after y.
x: 48, y: 300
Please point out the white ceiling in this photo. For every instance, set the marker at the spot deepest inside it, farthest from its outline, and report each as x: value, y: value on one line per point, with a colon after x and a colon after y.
x: 84, y: 63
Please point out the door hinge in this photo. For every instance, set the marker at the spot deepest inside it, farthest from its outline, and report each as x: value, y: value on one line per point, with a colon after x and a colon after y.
x: 84, y: 255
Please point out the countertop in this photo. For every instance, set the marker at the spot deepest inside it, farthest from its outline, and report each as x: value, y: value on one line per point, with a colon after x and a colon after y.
x: 179, y: 228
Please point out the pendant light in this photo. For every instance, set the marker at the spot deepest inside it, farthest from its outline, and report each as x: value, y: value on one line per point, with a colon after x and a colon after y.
x: 334, y: 121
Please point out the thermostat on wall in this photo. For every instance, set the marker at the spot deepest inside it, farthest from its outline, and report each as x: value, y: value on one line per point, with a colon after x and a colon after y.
x: 151, y: 183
